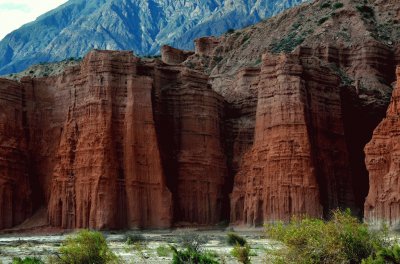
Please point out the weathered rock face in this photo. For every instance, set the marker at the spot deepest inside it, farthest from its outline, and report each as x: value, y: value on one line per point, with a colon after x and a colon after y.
x: 299, y: 147
x: 170, y: 55
x: 205, y: 46
x: 15, y: 192
x: 383, y: 164
x: 108, y: 172
x: 103, y: 136
x: 190, y: 129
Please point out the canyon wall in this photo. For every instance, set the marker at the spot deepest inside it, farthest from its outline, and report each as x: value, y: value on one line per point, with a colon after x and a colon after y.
x: 383, y: 164
x: 102, y: 137
x: 122, y: 142
x: 15, y: 192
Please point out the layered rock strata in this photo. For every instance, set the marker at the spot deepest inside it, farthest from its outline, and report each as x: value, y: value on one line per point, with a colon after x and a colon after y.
x: 15, y: 192
x: 97, y: 134
x: 120, y: 142
x: 299, y: 146
x: 383, y: 163
x: 191, y: 118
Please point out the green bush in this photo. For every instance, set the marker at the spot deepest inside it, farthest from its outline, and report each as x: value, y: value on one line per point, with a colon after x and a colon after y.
x: 192, y: 241
x: 288, y: 43
x: 230, y: 31
x: 242, y: 253
x: 337, y: 5
x: 189, y: 255
x: 326, y: 5
x: 163, y: 251
x: 366, y: 11
x: 234, y: 239
x: 192, y: 251
x: 390, y: 255
x: 323, y: 20
x: 86, y: 247
x: 27, y: 260
x: 343, y: 239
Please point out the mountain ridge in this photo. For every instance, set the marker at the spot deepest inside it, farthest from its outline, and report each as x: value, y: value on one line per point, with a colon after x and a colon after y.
x: 143, y: 26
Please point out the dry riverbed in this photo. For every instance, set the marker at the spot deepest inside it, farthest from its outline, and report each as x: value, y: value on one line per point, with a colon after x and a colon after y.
x: 146, y: 252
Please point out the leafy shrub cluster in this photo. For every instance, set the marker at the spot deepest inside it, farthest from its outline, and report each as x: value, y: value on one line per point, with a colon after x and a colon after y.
x: 366, y: 11
x: 86, y: 247
x: 288, y: 43
x: 234, y: 239
x: 390, y: 255
x: 188, y: 255
x: 242, y: 253
x: 192, y: 250
x: 338, y: 5
x: 343, y: 239
x: 241, y: 249
x: 323, y: 20
x: 163, y: 251
x: 27, y: 260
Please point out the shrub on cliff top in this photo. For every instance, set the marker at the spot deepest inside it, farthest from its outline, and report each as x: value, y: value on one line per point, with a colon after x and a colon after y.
x: 343, y: 239
x: 86, y: 247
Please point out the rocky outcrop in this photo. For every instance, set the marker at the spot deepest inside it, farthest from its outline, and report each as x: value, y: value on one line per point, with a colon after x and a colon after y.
x: 383, y: 164
x: 170, y: 55
x: 205, y: 46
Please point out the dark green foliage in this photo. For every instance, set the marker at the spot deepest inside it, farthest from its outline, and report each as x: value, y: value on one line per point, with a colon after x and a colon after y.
x: 366, y: 11
x: 189, y: 255
x: 245, y: 39
x: 242, y: 253
x: 337, y: 5
x: 230, y: 31
x: 218, y: 59
x: 390, y: 255
x: 343, y: 239
x: 288, y: 43
x: 234, y: 239
x: 131, y: 239
x: 86, y: 247
x: 192, y: 241
x: 191, y: 251
x: 323, y: 20
x: 326, y: 5
x: 27, y: 260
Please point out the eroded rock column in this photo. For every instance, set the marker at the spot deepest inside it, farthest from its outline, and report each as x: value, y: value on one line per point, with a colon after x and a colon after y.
x: 383, y: 164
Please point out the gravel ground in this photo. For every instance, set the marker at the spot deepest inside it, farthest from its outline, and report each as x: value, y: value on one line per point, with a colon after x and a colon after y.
x: 43, y: 246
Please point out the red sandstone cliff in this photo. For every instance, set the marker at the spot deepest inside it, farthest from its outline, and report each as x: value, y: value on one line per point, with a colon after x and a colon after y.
x: 195, y: 139
x: 108, y: 171
x: 15, y: 192
x: 383, y: 164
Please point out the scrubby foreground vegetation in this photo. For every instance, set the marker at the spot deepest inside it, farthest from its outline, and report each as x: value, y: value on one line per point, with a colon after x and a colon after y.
x: 343, y: 239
